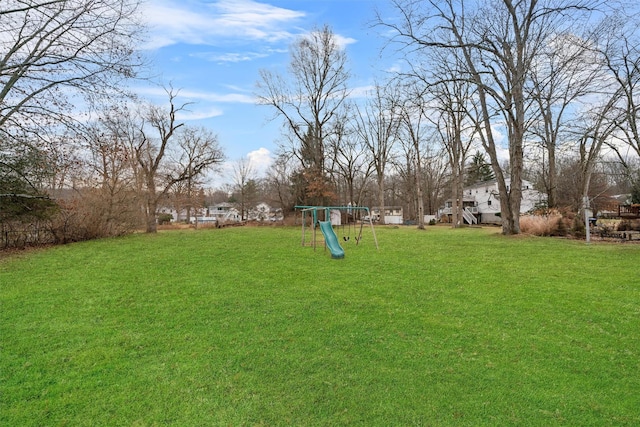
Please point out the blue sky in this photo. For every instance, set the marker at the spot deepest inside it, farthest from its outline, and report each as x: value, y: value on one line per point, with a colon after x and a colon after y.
x: 212, y: 50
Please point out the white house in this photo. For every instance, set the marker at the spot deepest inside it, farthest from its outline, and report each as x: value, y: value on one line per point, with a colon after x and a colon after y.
x: 222, y: 212
x: 264, y: 212
x: 481, y: 202
x: 392, y: 214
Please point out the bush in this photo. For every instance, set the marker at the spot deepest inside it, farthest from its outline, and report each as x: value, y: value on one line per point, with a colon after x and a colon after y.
x: 542, y: 225
x: 628, y: 225
x: 561, y: 228
x: 432, y: 222
x: 164, y: 218
x: 578, y: 228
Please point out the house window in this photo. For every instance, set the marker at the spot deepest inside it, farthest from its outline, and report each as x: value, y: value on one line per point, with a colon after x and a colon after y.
x: 488, y: 202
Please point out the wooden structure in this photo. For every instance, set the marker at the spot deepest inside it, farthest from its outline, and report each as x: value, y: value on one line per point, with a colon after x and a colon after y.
x: 629, y: 211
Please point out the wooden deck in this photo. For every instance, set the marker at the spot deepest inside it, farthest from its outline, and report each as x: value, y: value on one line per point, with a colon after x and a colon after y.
x: 621, y: 235
x: 629, y: 211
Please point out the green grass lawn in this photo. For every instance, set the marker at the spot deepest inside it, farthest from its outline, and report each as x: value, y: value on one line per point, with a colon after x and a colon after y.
x: 243, y: 326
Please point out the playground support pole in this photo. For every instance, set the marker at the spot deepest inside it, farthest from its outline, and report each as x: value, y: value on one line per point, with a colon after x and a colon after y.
x: 373, y: 231
x: 304, y: 219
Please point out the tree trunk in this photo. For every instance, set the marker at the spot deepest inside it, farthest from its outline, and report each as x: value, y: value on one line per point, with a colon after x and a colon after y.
x: 459, y: 183
x: 420, y: 201
x: 455, y: 196
x: 152, y: 207
x: 552, y: 179
x: 381, y: 197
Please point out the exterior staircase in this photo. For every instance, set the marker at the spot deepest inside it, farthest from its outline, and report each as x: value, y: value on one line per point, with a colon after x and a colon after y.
x: 468, y: 216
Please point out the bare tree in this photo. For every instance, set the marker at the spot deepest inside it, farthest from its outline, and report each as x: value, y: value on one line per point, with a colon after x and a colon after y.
x: 52, y: 53
x: 435, y: 175
x: 111, y: 178
x: 377, y: 125
x: 278, y: 183
x: 157, y: 132
x: 198, y: 152
x: 350, y: 163
x: 51, y: 48
x: 598, y: 125
x: 454, y: 112
x: 498, y: 42
x: 150, y: 151
x: 621, y: 55
x: 310, y: 100
x: 563, y: 75
x: 244, y: 177
x: 413, y: 135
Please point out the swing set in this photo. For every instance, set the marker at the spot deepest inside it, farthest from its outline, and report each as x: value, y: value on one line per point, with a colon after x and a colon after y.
x: 334, y: 215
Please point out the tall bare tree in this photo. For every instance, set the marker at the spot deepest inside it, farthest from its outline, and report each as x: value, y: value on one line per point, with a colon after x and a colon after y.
x: 310, y: 99
x: 51, y: 54
x: 413, y: 132
x: 278, y: 183
x: 598, y: 124
x: 111, y: 179
x: 498, y: 43
x: 158, y: 131
x: 621, y: 55
x: 244, y: 177
x: 52, y: 48
x: 563, y: 75
x: 198, y: 151
x: 350, y: 163
x: 377, y: 126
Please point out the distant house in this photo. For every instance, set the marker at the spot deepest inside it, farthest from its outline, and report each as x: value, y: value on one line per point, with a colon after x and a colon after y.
x: 222, y: 212
x: 392, y: 214
x: 264, y: 212
x: 481, y: 202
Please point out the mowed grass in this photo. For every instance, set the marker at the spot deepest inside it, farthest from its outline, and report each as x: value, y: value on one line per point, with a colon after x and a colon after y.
x: 244, y: 326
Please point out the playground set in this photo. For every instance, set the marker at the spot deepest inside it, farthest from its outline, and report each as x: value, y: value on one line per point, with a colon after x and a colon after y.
x: 332, y: 215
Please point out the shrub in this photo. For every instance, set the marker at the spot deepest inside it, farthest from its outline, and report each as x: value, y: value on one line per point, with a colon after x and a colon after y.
x: 628, y: 225
x: 561, y: 228
x: 578, y: 228
x: 541, y: 225
x: 164, y: 218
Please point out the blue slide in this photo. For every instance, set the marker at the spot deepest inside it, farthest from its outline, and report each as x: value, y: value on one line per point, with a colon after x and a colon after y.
x: 331, y: 240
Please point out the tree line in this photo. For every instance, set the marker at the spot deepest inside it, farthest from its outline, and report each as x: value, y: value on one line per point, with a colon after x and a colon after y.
x: 490, y: 90
x: 552, y: 84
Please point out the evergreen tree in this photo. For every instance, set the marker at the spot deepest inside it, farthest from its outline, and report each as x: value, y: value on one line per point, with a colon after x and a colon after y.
x: 478, y: 170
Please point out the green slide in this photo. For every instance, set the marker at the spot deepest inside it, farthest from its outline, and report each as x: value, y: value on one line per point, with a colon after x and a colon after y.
x: 331, y: 240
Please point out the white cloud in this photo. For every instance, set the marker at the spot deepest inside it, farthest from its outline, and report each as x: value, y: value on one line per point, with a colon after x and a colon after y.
x: 199, y: 114
x: 260, y: 160
x: 230, y: 56
x: 344, y: 41
x: 186, y: 95
x: 200, y: 23
x: 240, y: 98
x: 361, y: 91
